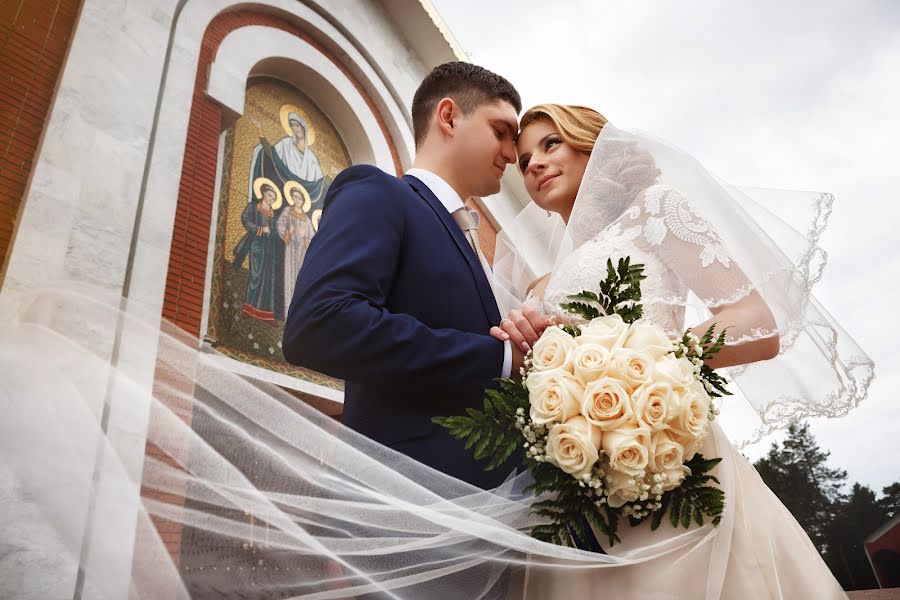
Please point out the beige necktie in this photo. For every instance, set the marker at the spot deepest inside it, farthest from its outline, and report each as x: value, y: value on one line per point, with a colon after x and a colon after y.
x: 466, y: 222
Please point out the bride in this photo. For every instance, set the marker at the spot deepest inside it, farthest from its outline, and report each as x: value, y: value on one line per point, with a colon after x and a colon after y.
x: 621, y: 194
x: 245, y: 491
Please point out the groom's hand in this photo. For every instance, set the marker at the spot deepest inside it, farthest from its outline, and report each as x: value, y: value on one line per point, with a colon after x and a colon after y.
x: 522, y: 328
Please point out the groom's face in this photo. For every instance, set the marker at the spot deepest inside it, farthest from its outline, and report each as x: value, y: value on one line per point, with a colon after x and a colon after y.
x: 483, y: 146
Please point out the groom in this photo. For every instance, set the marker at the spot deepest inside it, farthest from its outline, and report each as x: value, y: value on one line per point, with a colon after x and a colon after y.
x: 393, y: 295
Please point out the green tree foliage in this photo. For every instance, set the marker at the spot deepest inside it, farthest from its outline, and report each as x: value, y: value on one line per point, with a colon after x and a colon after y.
x: 798, y: 474
x: 890, y: 500
x: 836, y: 522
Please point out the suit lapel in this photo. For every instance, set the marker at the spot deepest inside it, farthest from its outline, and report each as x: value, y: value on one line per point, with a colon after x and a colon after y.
x: 488, y: 302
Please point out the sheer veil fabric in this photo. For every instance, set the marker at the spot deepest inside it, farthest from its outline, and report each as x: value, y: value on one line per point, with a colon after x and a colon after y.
x: 245, y: 491
x: 271, y: 497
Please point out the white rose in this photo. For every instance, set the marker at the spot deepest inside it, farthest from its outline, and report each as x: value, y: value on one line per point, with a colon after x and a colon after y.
x: 606, y: 403
x: 573, y: 446
x: 609, y: 332
x: 551, y: 351
x: 667, y: 454
x: 628, y: 449
x: 632, y: 368
x: 589, y: 362
x: 697, y: 388
x: 678, y: 403
x: 621, y: 488
x: 690, y: 444
x: 693, y: 418
x: 677, y: 371
x: 643, y: 335
x: 674, y: 477
x: 555, y: 396
x: 651, y: 404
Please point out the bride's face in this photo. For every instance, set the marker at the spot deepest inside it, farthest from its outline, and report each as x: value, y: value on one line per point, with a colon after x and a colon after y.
x: 552, y: 169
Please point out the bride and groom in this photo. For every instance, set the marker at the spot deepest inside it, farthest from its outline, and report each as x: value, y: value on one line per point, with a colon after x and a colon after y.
x: 397, y: 298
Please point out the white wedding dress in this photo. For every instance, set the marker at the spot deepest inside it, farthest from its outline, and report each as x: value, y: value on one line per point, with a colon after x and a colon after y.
x: 758, y: 550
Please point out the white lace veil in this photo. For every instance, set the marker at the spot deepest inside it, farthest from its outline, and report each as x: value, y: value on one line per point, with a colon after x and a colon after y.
x: 706, y: 244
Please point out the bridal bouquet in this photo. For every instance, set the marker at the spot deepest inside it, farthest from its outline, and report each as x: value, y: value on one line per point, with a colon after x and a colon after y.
x: 609, y: 417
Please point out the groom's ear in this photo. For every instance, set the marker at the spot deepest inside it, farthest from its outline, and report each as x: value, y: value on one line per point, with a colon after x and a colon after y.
x: 446, y: 114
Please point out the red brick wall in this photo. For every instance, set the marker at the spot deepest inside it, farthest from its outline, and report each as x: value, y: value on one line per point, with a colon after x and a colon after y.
x: 175, y: 388
x: 34, y: 39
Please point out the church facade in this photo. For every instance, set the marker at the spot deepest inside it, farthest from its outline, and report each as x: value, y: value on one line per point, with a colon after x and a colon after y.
x: 174, y: 154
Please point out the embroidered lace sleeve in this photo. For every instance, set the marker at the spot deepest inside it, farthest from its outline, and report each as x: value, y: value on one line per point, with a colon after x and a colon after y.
x: 690, y: 246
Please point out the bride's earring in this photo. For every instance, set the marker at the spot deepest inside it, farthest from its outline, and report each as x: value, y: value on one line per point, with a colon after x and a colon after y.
x: 549, y: 214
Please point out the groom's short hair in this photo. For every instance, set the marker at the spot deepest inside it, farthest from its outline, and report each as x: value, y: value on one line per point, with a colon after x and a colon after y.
x: 468, y: 85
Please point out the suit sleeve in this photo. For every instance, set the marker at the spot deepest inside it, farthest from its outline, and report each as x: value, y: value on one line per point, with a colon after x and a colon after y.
x: 338, y: 323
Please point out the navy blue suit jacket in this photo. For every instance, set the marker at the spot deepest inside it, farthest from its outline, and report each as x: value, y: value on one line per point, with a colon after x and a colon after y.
x: 392, y: 299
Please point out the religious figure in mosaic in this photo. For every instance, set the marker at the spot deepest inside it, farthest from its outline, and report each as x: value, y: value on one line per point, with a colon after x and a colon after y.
x: 296, y: 226
x: 260, y: 243
x: 290, y: 160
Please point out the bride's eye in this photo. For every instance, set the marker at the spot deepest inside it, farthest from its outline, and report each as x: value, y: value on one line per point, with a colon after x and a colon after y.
x: 523, y: 164
x: 551, y: 142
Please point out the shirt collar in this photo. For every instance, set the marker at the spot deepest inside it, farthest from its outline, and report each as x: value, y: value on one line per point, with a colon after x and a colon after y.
x: 440, y: 188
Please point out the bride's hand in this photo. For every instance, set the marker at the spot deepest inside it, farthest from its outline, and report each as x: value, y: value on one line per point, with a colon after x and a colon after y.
x: 522, y: 327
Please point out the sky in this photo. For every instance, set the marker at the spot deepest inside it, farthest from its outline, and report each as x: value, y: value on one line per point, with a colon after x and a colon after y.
x: 796, y: 95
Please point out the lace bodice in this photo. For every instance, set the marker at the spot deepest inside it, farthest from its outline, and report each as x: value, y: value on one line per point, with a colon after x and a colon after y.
x: 660, y: 231
x: 586, y: 268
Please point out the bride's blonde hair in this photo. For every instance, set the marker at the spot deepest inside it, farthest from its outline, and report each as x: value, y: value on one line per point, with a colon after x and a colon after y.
x: 579, y: 126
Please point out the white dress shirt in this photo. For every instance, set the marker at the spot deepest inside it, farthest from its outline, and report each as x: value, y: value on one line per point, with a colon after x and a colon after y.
x: 452, y: 202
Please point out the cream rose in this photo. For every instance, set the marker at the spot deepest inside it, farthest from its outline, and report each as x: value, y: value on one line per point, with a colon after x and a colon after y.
x: 621, y: 488
x: 632, y: 368
x: 555, y: 396
x: 606, y: 403
x: 652, y: 403
x: 677, y: 371
x: 552, y: 350
x: 609, y: 332
x: 688, y: 443
x: 574, y: 446
x: 674, y: 477
x: 666, y: 453
x: 650, y: 338
x: 628, y: 449
x: 693, y: 419
x: 589, y: 362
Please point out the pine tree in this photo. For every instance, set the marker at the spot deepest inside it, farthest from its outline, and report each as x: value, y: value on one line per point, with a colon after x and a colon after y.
x: 856, y: 518
x: 800, y: 477
x: 890, y: 500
